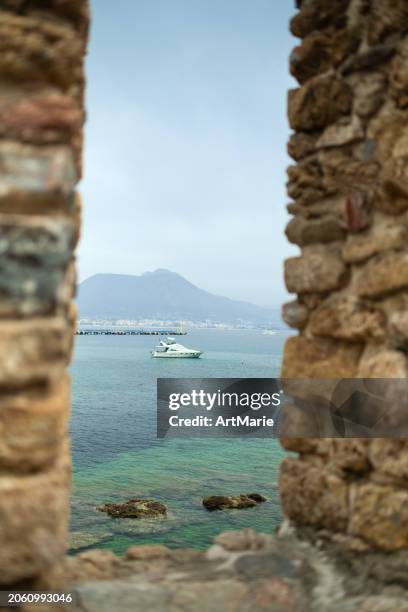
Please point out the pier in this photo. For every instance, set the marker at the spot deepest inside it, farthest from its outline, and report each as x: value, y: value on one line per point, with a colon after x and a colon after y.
x: 129, y: 332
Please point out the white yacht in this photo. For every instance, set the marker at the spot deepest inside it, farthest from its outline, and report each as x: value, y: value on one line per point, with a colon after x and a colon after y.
x: 170, y: 348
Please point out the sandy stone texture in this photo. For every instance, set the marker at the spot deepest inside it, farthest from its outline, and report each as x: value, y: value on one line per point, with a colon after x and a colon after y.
x: 349, y: 203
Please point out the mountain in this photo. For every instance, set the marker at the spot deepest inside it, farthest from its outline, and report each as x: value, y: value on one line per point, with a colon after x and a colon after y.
x: 163, y: 295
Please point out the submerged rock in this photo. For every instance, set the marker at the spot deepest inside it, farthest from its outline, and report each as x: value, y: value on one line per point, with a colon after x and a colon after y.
x: 222, y: 502
x: 135, y: 508
x: 79, y: 539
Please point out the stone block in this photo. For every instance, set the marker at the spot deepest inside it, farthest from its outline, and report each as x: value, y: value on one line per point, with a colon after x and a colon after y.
x: 392, y: 195
x: 399, y: 151
x: 319, y: 358
x: 369, y: 58
x: 379, y: 515
x: 384, y: 235
x: 33, y: 352
x: 67, y: 291
x: 304, y: 231
x: 312, y: 300
x: 399, y: 76
x: 346, y: 318
x: 386, y: 19
x: 304, y: 446
x: 33, y: 427
x: 302, y: 144
x: 46, y: 117
x: 398, y: 329
x: 295, y: 314
x: 74, y: 11
x: 389, y: 130
x: 35, y: 253
x: 318, y: 103
x: 318, y: 269
x: 382, y: 363
x: 305, y: 182
x: 394, y: 303
x: 313, y: 495
x: 345, y: 170
x: 381, y: 603
x: 382, y: 274
x: 34, y: 521
x: 76, y: 218
x: 318, y: 14
x: 22, y: 57
x: 390, y: 457
x: 300, y: 427
x: 320, y: 51
x: 35, y: 180
x: 350, y: 455
x: 328, y: 206
x: 345, y: 131
x: 369, y: 89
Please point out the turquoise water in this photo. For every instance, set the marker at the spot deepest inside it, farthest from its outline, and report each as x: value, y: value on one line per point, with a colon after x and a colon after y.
x: 116, y: 454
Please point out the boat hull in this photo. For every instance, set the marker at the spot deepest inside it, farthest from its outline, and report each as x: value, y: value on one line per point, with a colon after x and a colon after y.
x: 177, y: 355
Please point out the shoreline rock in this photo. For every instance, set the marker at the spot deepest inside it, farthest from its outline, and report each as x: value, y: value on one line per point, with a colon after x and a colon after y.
x: 238, y: 502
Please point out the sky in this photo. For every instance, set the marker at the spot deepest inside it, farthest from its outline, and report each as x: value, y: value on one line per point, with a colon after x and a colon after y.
x: 185, y: 143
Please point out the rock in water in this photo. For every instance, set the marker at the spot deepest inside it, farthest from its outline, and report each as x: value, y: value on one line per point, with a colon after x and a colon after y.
x: 222, y: 502
x: 257, y: 497
x: 135, y: 508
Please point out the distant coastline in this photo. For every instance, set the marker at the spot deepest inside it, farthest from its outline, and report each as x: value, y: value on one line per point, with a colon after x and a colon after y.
x: 159, y: 324
x: 163, y: 299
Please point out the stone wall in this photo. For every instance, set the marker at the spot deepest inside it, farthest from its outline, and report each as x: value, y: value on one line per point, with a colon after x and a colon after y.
x: 349, y: 191
x: 42, y: 44
x: 349, y: 188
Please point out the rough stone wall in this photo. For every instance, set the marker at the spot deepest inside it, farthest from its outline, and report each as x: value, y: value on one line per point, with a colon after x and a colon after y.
x: 349, y: 191
x: 42, y: 44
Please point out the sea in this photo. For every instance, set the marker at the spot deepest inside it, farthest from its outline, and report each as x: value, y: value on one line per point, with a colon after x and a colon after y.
x: 117, y: 456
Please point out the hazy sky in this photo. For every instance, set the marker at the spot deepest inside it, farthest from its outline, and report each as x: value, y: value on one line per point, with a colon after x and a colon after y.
x: 185, y: 142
